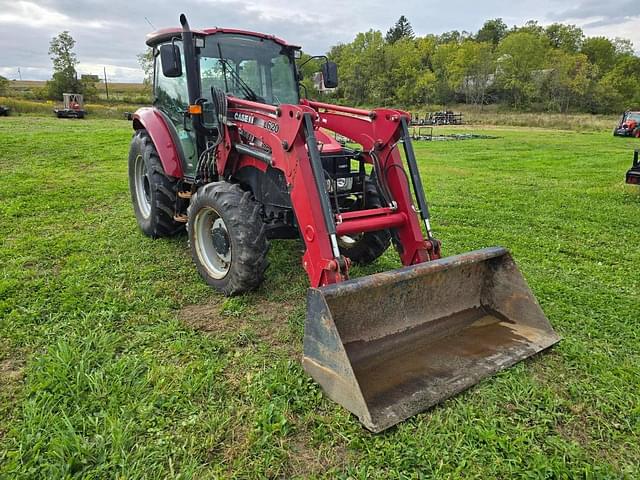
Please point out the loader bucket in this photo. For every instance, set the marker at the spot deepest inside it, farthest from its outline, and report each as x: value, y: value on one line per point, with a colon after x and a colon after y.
x: 390, y: 345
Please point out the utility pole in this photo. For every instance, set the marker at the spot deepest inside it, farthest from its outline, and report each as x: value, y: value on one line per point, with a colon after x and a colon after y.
x: 106, y: 85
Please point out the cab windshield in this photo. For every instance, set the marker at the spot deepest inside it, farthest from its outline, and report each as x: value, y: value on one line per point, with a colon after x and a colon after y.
x: 248, y: 67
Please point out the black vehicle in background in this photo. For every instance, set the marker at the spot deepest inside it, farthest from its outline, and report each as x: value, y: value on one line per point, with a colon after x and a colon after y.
x: 633, y: 174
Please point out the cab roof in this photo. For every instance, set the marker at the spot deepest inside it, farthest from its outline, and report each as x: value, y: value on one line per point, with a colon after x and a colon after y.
x: 165, y: 34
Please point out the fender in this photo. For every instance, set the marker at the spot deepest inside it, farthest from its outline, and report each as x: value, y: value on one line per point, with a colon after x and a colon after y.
x: 152, y: 120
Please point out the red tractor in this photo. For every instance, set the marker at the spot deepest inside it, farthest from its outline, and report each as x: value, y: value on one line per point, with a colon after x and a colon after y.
x: 230, y: 150
x: 629, y: 125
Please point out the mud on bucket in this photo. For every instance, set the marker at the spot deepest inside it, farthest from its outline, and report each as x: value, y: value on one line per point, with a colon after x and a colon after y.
x: 390, y: 345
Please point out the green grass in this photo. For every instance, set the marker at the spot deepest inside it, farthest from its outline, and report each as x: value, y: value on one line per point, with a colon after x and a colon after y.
x: 116, y: 361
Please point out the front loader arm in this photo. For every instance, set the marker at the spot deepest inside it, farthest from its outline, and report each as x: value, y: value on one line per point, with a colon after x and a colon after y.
x: 283, y: 138
x: 380, y: 132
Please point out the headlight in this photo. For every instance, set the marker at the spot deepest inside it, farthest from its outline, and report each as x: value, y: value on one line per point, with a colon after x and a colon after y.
x: 343, y: 184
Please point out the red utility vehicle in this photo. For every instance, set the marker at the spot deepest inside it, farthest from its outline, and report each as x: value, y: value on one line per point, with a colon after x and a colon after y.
x: 629, y: 125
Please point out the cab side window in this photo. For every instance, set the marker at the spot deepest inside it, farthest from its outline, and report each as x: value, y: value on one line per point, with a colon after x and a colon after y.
x: 171, y: 94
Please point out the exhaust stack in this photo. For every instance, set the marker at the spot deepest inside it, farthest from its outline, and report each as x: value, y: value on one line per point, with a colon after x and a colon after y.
x: 193, y: 89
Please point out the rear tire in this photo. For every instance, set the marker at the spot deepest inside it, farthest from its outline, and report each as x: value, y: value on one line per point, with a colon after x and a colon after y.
x: 367, y: 247
x: 227, y: 238
x: 153, y: 193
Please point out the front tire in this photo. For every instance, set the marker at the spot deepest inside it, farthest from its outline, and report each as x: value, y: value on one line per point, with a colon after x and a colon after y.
x: 227, y: 238
x: 153, y: 193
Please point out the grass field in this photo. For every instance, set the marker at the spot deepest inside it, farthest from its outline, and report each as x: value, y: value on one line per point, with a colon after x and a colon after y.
x: 116, y: 361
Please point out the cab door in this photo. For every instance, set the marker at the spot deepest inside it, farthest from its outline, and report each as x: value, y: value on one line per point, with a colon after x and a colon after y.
x: 172, y: 99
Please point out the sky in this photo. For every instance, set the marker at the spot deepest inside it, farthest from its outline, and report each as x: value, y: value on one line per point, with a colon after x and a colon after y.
x: 110, y: 33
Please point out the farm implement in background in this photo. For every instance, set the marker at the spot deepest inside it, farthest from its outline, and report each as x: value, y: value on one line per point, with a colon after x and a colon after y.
x: 230, y: 150
x: 446, y: 117
x: 426, y: 134
x: 73, y: 106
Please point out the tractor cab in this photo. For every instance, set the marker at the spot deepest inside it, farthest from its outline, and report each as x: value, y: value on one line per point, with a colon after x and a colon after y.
x: 220, y: 63
x: 243, y: 64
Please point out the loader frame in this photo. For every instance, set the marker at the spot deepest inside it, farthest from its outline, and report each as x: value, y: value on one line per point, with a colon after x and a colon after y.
x: 288, y: 132
x: 295, y: 151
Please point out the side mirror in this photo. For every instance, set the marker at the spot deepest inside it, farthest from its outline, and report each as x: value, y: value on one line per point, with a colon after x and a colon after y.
x: 330, y: 74
x: 171, y: 63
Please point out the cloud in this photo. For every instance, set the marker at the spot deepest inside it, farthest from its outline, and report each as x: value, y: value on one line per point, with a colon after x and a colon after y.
x: 27, y: 73
x: 28, y: 13
x: 115, y: 73
x: 33, y: 15
x: 112, y: 33
x: 599, y: 18
x: 596, y: 13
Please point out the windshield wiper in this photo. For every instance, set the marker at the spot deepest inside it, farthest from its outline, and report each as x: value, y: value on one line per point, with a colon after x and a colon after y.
x: 226, y: 66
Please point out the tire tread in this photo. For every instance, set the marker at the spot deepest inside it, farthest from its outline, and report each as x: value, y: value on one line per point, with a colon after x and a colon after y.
x: 241, y: 214
x: 165, y: 189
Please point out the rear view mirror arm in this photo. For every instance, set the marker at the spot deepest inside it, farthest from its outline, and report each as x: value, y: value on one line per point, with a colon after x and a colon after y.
x: 312, y: 58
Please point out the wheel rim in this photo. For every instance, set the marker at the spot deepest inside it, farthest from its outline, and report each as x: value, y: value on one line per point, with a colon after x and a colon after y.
x: 143, y: 187
x: 212, y: 243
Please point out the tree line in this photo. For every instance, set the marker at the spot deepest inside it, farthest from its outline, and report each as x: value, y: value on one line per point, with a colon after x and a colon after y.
x: 552, y: 68
x: 530, y: 67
